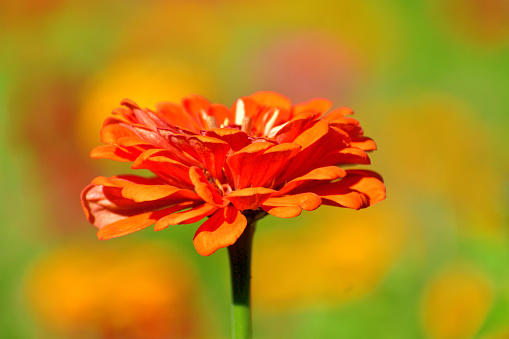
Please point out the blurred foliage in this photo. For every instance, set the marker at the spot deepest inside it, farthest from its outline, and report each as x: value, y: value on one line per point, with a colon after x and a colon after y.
x: 428, y: 80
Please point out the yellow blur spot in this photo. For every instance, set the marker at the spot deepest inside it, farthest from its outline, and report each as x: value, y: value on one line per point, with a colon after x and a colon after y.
x: 141, y: 291
x: 341, y: 256
x: 456, y: 303
x: 144, y: 81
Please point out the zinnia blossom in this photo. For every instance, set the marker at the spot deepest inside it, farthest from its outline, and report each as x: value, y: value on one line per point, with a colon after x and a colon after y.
x: 263, y: 155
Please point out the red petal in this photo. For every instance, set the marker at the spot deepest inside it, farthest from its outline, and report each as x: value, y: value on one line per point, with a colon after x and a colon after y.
x: 212, y: 152
x: 269, y: 164
x: 164, y: 164
x: 187, y: 217
x: 220, y: 230
x: 249, y: 198
x: 294, y: 127
x: 235, y: 138
x: 241, y: 163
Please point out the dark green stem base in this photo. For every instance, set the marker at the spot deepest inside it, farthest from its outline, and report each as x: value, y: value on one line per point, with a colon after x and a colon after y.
x: 240, y: 268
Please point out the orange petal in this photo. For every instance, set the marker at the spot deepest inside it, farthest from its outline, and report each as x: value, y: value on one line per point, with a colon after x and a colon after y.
x: 283, y: 211
x: 271, y: 99
x: 249, y: 198
x: 317, y: 105
x: 135, y: 223
x: 338, y: 113
x: 328, y: 173
x: 221, y: 230
x: 346, y: 156
x: 359, y: 189
x: 204, y: 189
x: 349, y: 125
x: 112, y: 152
x: 186, y: 217
x: 112, y: 132
x: 175, y: 115
x: 172, y: 194
x: 363, y: 143
x: 307, y: 201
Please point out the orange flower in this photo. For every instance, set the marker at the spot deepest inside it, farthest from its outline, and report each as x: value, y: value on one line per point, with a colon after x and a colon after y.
x: 264, y: 155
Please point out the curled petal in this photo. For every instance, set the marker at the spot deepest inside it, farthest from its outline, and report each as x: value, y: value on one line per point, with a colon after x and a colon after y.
x: 249, y: 198
x: 221, y: 230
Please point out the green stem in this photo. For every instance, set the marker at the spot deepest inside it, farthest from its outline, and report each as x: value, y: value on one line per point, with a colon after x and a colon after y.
x: 240, y: 268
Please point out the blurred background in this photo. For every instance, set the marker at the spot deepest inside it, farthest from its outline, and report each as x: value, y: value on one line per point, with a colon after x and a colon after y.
x: 428, y: 80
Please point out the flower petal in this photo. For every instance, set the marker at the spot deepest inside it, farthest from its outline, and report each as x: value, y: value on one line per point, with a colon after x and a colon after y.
x: 269, y: 164
x: 363, y: 143
x: 249, y: 198
x: 237, y: 139
x: 221, y: 230
x: 204, y: 189
x: 174, y: 114
x: 359, y: 189
x: 283, y: 211
x: 165, y: 165
x: 136, y: 222
x: 315, y: 176
x: 307, y: 201
x: 294, y: 127
x: 113, y: 152
x: 317, y: 105
x: 240, y: 163
x: 186, y: 217
x: 212, y: 153
x: 171, y: 194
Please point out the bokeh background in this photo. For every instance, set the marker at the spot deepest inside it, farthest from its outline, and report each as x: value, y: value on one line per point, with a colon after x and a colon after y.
x: 428, y: 80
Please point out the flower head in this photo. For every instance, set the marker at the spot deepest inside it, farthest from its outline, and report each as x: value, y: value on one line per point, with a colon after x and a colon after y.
x: 263, y: 155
